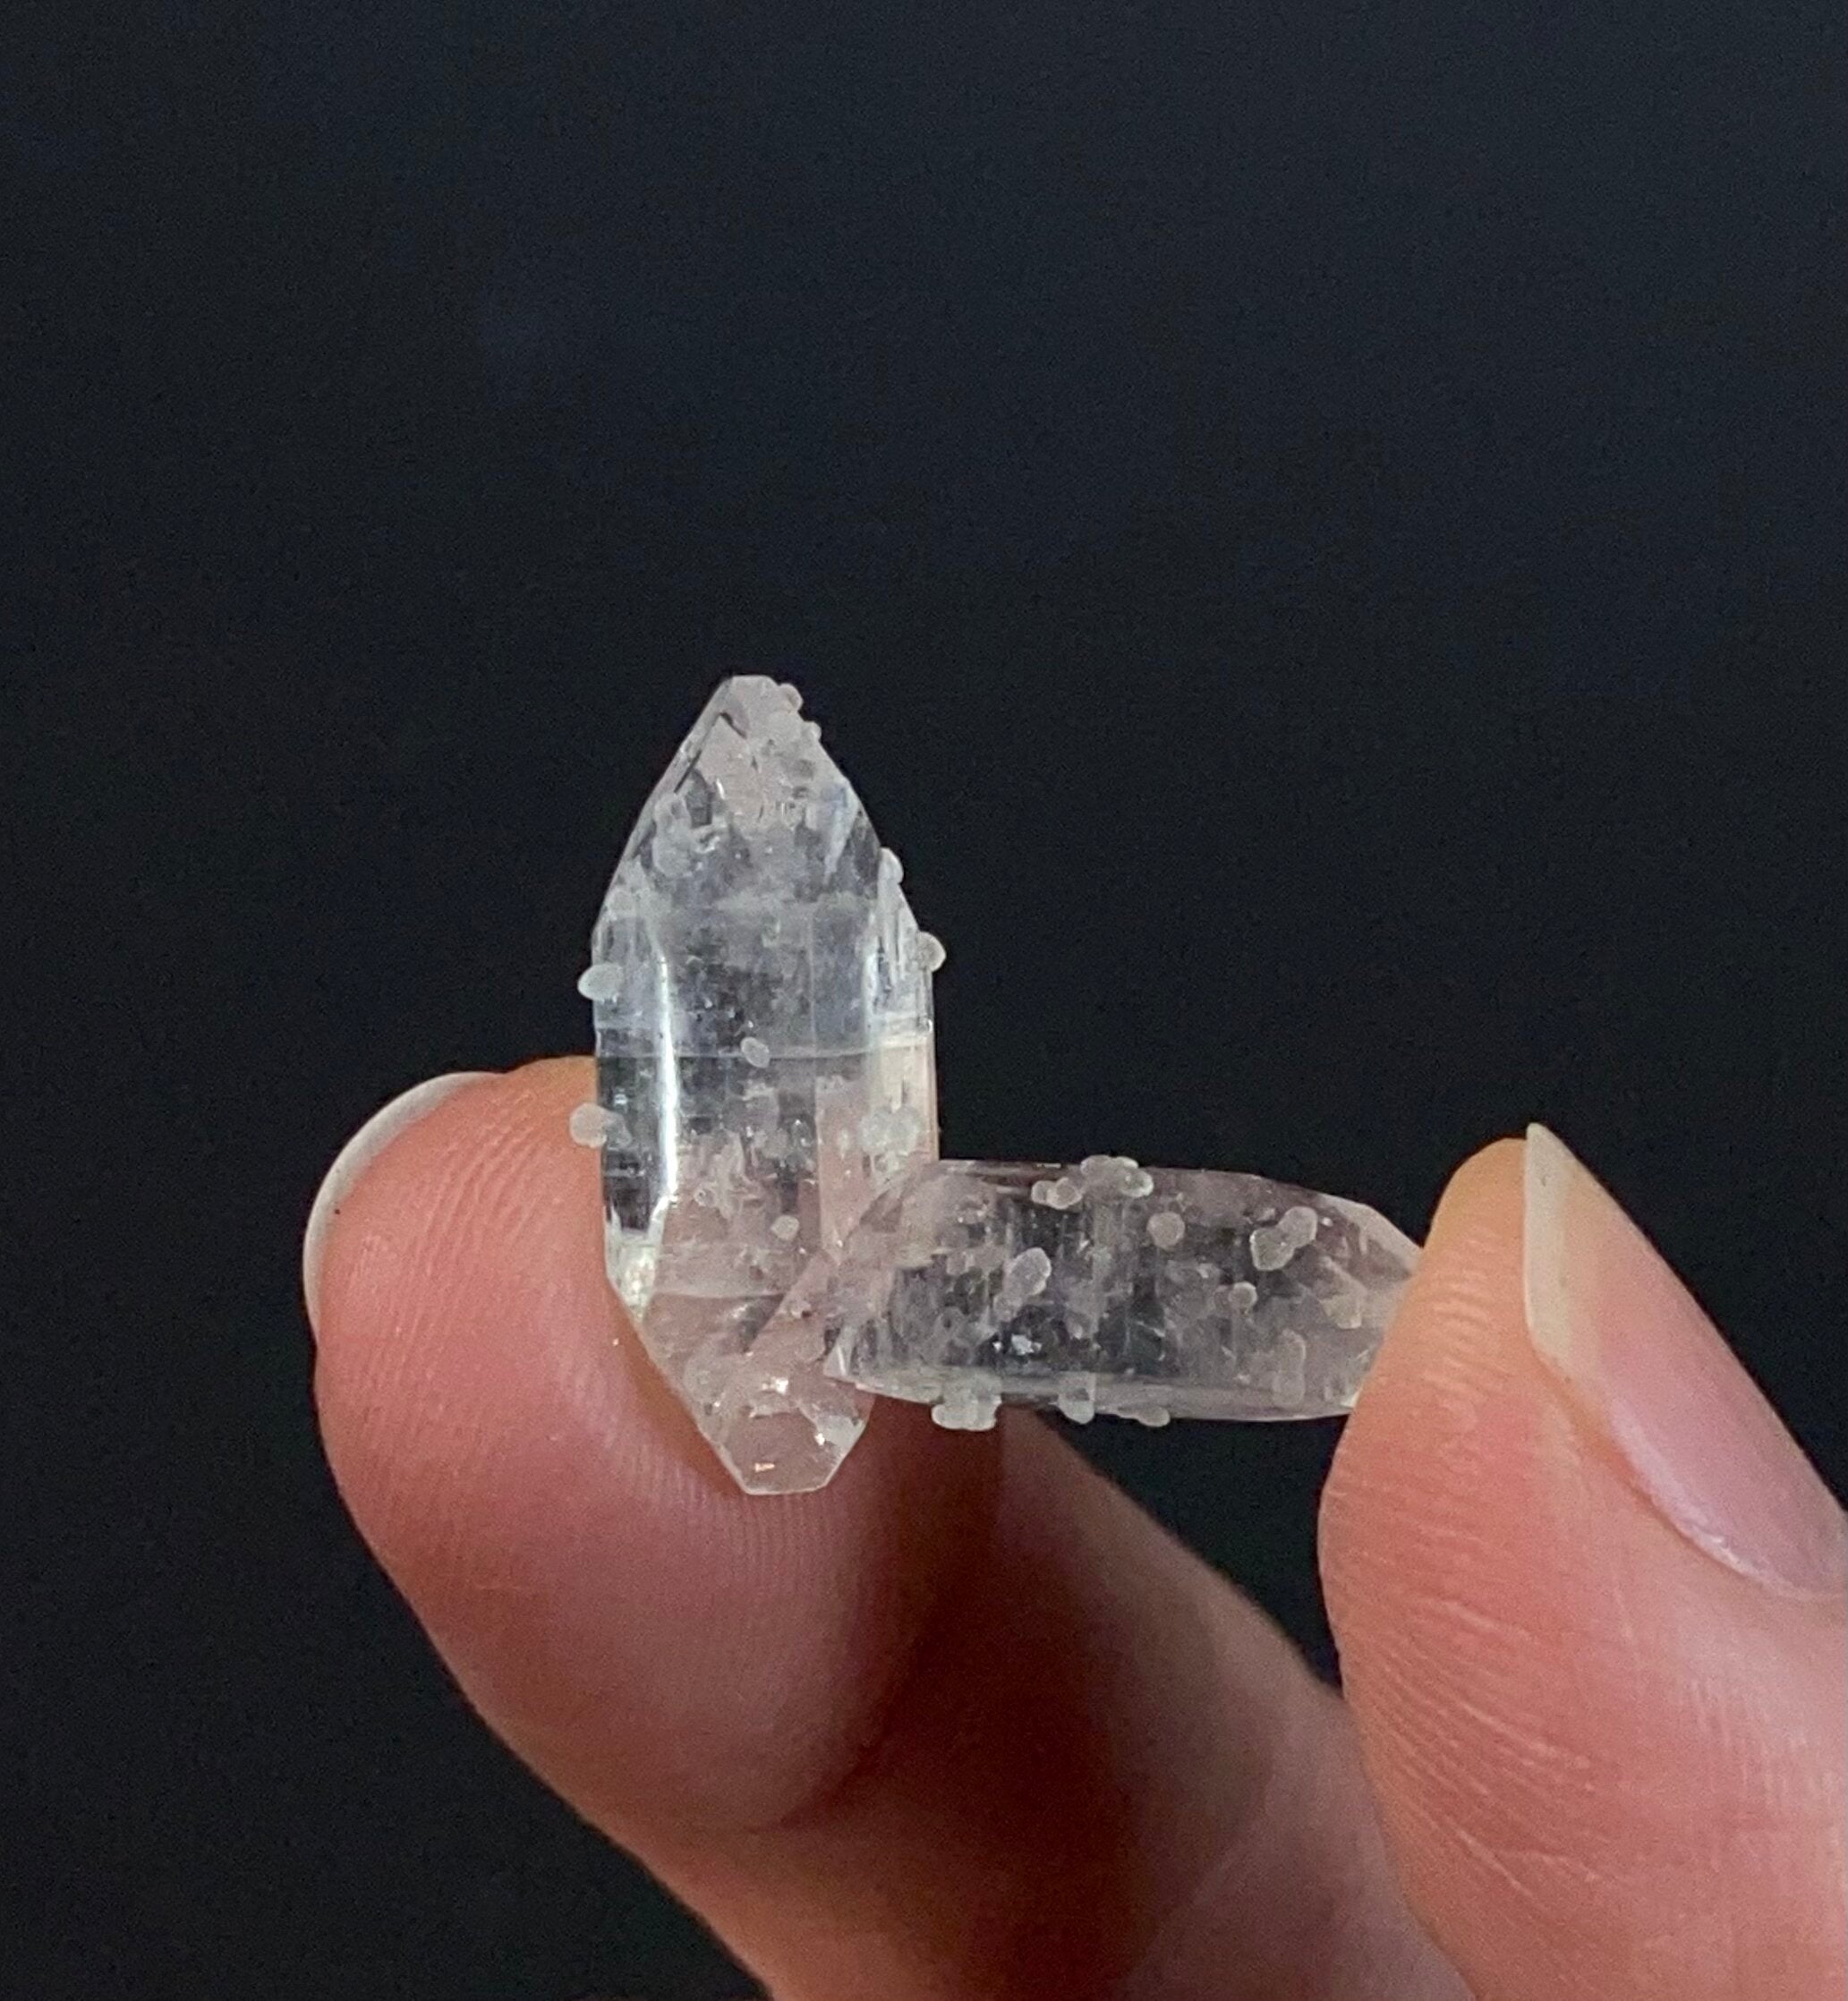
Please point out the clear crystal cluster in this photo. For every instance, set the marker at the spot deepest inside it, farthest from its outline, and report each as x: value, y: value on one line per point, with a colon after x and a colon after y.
x: 777, y: 1221
x: 761, y: 1000
x: 1145, y: 1293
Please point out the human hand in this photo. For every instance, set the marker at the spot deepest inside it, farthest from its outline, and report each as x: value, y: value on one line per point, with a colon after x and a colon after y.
x: 968, y: 1723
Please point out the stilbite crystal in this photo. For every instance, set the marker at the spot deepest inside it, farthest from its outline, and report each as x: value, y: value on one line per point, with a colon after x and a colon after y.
x: 761, y: 1000
x: 1108, y: 1287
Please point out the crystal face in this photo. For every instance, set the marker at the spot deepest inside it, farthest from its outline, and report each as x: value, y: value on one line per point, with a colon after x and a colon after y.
x: 1148, y: 1293
x: 761, y: 1000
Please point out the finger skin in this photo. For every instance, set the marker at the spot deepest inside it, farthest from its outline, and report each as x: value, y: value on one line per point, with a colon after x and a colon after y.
x: 1607, y: 1763
x: 964, y: 1724
x: 584, y: 1566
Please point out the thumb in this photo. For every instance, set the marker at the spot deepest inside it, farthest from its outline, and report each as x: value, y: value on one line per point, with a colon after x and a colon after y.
x: 1590, y: 1603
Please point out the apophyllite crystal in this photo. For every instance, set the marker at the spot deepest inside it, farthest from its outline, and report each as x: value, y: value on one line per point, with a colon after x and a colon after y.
x: 1140, y: 1292
x: 761, y: 1000
x: 777, y: 1221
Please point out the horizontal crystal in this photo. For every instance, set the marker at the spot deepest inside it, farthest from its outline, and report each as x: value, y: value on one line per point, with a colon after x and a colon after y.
x: 762, y: 999
x: 1145, y: 1292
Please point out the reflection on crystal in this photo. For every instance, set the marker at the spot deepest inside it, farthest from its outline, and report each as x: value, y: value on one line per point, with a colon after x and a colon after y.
x: 1108, y: 1287
x: 762, y: 999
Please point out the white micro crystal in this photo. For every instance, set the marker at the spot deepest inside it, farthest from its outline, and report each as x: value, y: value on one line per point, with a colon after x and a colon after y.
x: 1156, y: 1293
x: 761, y: 1000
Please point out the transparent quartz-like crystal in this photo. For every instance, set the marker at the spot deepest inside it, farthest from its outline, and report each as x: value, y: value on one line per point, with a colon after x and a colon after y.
x: 1107, y: 1287
x: 761, y: 998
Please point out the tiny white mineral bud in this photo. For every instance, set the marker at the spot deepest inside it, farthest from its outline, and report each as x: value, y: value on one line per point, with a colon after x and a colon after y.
x: 587, y: 1125
x: 1273, y: 1245
x: 600, y: 983
x: 964, y: 1407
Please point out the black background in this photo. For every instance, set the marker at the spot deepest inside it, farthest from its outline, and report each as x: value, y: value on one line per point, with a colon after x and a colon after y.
x: 1314, y: 530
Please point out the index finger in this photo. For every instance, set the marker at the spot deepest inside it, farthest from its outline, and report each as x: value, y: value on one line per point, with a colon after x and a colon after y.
x: 966, y: 1722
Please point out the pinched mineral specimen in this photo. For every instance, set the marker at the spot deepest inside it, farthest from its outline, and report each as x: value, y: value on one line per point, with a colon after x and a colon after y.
x: 1148, y: 1293
x: 761, y: 1000
x: 777, y: 1221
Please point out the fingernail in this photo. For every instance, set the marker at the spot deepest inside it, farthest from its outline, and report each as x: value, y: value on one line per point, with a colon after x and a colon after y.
x: 355, y: 1158
x: 1645, y: 1364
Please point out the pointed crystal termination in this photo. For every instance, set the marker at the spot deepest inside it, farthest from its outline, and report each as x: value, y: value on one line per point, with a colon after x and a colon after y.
x: 762, y: 999
x: 1147, y: 1293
